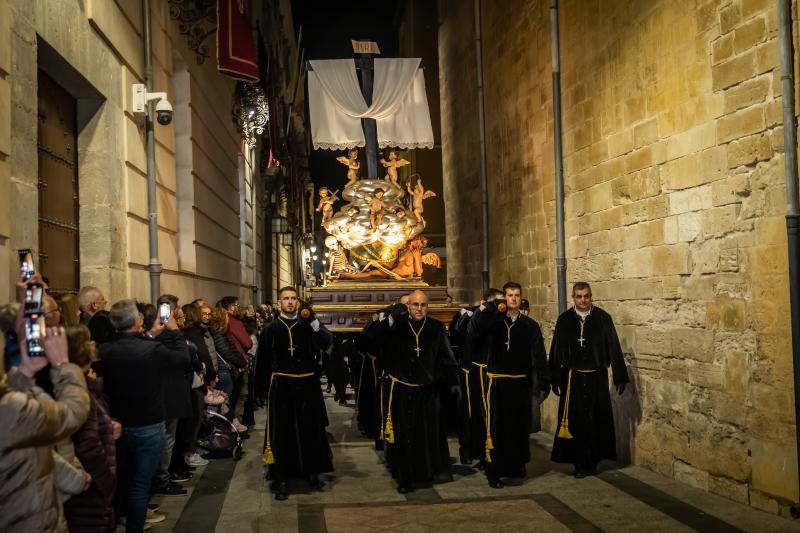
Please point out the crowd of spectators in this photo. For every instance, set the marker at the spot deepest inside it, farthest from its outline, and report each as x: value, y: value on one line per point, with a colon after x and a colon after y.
x: 111, y: 412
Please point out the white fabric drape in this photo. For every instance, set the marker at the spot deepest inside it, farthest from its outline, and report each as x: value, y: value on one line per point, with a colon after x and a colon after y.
x: 399, y: 104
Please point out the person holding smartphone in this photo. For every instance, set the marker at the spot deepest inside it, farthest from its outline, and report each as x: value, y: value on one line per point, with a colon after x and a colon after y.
x: 29, y: 494
x: 139, y: 404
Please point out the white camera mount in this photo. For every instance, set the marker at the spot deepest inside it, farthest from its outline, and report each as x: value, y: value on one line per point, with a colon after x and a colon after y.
x: 141, y: 98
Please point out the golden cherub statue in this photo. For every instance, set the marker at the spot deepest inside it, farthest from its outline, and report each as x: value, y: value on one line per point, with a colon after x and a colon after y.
x: 392, y: 165
x: 418, y: 194
x: 376, y: 207
x: 326, y: 201
x: 352, y: 166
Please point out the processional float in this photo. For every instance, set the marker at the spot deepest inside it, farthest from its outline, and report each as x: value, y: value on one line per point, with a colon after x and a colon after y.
x: 375, y: 239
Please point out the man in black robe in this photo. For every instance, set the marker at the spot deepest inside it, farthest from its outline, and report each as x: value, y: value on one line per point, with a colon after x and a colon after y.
x: 472, y: 427
x: 372, y: 395
x: 516, y: 368
x: 585, y: 344
x: 287, y: 369
x: 415, y: 355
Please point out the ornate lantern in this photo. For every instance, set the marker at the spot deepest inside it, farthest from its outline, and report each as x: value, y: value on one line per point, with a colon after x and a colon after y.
x: 250, y: 111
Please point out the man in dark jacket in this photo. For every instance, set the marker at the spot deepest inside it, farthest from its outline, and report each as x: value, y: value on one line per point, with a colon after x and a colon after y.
x: 178, y: 404
x: 134, y: 368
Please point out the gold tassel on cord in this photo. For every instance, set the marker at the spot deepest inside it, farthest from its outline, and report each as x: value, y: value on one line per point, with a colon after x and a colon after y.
x: 269, y: 457
x: 563, y: 430
x: 489, y: 443
x: 388, y: 432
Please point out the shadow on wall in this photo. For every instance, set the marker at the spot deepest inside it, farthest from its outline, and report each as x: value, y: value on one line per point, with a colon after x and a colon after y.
x: 627, y: 416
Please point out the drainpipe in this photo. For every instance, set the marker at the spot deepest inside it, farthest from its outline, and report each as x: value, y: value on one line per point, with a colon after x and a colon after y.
x: 561, y: 256
x: 793, y: 209
x: 152, y: 199
x: 482, y: 136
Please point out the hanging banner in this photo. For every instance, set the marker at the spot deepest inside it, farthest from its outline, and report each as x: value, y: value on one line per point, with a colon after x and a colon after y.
x: 236, y: 52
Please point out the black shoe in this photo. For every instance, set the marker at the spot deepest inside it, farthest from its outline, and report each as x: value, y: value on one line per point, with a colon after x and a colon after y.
x: 342, y: 402
x: 153, y: 507
x: 281, y: 490
x: 402, y: 489
x: 180, y: 477
x: 315, y: 483
x: 171, y: 489
x: 579, y: 474
x: 496, y: 483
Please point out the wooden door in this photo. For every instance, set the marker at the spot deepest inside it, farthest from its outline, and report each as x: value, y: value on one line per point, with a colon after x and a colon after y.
x: 59, y: 251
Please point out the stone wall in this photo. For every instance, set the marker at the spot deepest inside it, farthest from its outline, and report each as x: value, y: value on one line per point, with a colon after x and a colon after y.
x: 204, y: 203
x: 7, y: 253
x: 675, y: 197
x: 461, y: 177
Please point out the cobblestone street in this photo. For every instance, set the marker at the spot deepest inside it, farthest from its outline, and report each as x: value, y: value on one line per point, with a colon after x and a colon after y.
x: 230, y: 497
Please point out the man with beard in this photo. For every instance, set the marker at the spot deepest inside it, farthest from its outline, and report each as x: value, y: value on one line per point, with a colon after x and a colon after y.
x: 516, y: 367
x: 287, y: 367
x: 585, y: 344
x: 415, y: 355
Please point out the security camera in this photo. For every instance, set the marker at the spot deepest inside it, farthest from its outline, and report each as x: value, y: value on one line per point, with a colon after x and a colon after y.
x: 164, y: 112
x: 141, y: 98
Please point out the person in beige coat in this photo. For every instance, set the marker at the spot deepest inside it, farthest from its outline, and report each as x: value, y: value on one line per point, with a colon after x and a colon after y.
x: 29, y: 498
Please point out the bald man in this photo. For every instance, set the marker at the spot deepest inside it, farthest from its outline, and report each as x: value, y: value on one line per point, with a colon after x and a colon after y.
x: 416, y: 356
x: 91, y: 300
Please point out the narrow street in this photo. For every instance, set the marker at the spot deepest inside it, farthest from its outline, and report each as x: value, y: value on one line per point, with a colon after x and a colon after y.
x: 232, y: 497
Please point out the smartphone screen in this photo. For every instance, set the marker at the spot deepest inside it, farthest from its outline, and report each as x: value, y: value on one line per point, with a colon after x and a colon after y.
x: 33, y: 298
x: 164, y: 311
x: 34, y: 333
x: 26, y: 263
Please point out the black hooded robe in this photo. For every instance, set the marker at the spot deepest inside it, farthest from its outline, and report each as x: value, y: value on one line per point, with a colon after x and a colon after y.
x: 515, y: 370
x: 590, y: 420
x: 416, y: 443
x: 295, y: 444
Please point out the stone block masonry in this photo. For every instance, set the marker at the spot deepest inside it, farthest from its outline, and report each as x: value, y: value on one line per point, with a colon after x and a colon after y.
x: 673, y: 157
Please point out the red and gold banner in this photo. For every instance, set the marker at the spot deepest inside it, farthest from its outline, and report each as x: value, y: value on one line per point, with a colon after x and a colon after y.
x: 236, y: 52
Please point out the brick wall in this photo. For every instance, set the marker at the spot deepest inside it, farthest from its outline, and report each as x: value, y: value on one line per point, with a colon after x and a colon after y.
x: 675, y: 197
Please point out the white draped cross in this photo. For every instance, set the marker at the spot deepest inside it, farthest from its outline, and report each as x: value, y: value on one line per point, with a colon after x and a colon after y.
x: 399, y: 104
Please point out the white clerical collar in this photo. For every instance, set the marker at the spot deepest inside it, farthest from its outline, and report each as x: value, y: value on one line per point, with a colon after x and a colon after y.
x: 583, y: 314
x: 513, y: 317
x: 288, y: 317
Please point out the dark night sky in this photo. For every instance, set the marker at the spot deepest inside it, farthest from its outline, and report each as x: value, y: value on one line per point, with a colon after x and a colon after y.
x: 328, y: 27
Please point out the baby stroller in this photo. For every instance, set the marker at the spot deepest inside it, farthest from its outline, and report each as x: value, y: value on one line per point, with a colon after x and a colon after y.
x: 222, y: 439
